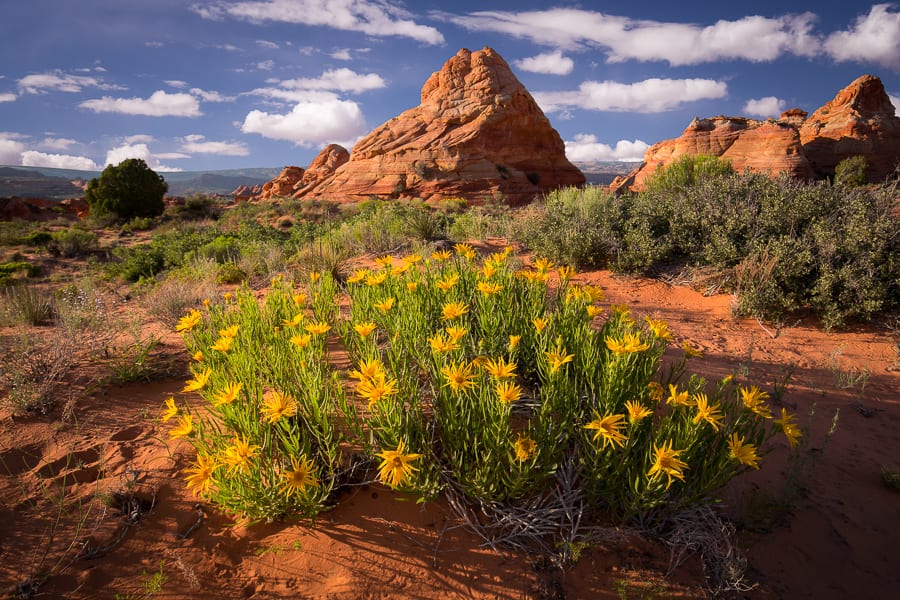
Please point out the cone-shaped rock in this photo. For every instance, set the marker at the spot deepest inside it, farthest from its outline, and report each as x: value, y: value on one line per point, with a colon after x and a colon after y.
x: 477, y: 133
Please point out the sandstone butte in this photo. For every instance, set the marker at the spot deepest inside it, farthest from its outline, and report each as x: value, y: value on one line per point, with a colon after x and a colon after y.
x: 477, y: 133
x: 859, y: 120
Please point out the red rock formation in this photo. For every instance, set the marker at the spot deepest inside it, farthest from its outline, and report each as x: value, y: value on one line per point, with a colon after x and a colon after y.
x: 859, y: 120
x: 322, y: 167
x: 763, y: 146
x: 36, y: 209
x: 283, y: 185
x: 477, y: 133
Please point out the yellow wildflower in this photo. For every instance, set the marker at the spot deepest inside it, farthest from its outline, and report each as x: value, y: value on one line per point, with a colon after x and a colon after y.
x: 401, y: 268
x: 357, y: 276
x: 508, y: 391
x: 301, y: 340
x: 189, y: 321
x: 660, y: 329
x: 228, y: 296
x: 229, y: 332
x: 754, y: 399
x: 448, y: 282
x: 677, y: 398
x: 558, y: 358
x: 377, y: 388
x: 656, y: 391
x: 300, y: 476
x: 170, y: 411
x: 456, y: 332
x: 465, y: 250
x: 228, y: 395
x: 543, y: 265
x: 294, y: 321
x: 365, y: 329
x: 488, y: 289
x: 540, y: 323
x: 441, y: 344
x: 620, y: 309
x: 299, y: 299
x: 628, y: 343
x: 197, y: 356
x: 742, y: 452
x: 385, y: 305
x: 566, y: 272
x: 277, y: 405
x: 239, y: 454
x: 637, y: 411
x: 184, y: 428
x: 593, y: 311
x: 690, y: 351
x: 384, y: 261
x: 459, y: 377
x: 200, y: 475
x: 412, y: 285
x: 609, y: 428
x: 198, y: 381
x: 524, y: 447
x: 315, y: 276
x: 705, y: 412
x: 488, y: 269
x: 412, y: 258
x: 665, y: 460
x: 499, y: 368
x: 373, y: 279
x: 223, y: 344
x: 206, y: 302
x: 367, y: 369
x: 789, y: 428
x: 395, y: 468
x: 514, y: 341
x: 454, y: 310
x: 441, y: 255
x: 320, y: 328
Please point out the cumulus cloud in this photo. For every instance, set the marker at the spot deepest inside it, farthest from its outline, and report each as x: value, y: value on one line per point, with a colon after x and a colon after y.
x: 266, y: 65
x: 648, y: 96
x: 176, y: 83
x: 372, y: 17
x: 7, y: 97
x: 341, y: 54
x: 753, y: 38
x: 57, y: 143
x: 142, y: 151
x: 10, y: 150
x: 586, y: 148
x: 895, y: 100
x: 211, y: 96
x: 551, y: 63
x: 341, y: 80
x: 310, y: 123
x: 58, y: 81
x: 874, y: 37
x: 139, y: 138
x: 159, y: 104
x: 770, y: 106
x: 33, y: 158
x: 197, y: 143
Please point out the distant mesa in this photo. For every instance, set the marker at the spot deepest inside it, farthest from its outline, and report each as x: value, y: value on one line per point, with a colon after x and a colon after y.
x: 477, y: 133
x: 860, y: 120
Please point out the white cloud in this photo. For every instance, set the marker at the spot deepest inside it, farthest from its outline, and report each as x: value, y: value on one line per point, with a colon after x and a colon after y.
x: 172, y: 155
x: 139, y: 138
x: 586, y: 148
x: 142, y: 151
x: 265, y: 65
x: 753, y: 38
x: 648, y: 96
x: 895, y: 100
x: 209, y: 96
x: 154, y: 44
x: 341, y: 54
x: 227, y: 47
x: 57, y: 143
x: 874, y: 37
x: 159, y: 104
x: 310, y: 123
x: 57, y: 81
x: 342, y: 80
x: 294, y: 95
x: 176, y: 83
x: 7, y: 97
x: 551, y: 63
x: 33, y: 158
x: 372, y: 17
x: 10, y: 149
x: 267, y: 44
x: 195, y: 143
x: 770, y: 106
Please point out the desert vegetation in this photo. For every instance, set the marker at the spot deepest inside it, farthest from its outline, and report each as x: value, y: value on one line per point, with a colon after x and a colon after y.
x: 326, y: 347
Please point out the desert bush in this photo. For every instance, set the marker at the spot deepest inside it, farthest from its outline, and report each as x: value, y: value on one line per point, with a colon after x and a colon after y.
x: 34, y: 369
x: 129, y: 189
x: 139, y: 224
x: 72, y: 242
x: 686, y: 171
x: 573, y: 226
x: 851, y: 171
x: 37, y: 239
x: 473, y: 379
x: 195, y: 207
x: 173, y: 296
x: 9, y: 271
x: 223, y: 249
x: 28, y: 304
x: 230, y: 273
x: 323, y: 256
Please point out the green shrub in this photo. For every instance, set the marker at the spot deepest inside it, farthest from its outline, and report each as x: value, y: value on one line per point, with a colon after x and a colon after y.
x: 72, y: 242
x: 28, y: 304
x: 222, y: 249
x: 139, y: 224
x: 230, y: 272
x: 129, y: 189
x: 9, y: 270
x: 851, y: 171
x: 37, y: 238
x: 686, y: 171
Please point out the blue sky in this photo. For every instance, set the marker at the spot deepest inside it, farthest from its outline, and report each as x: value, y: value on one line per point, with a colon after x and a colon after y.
x: 219, y: 84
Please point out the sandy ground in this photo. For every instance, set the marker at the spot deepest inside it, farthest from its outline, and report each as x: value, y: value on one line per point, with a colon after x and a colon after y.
x: 829, y: 530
